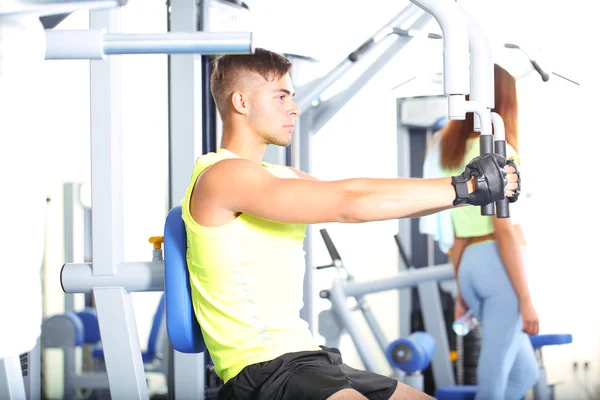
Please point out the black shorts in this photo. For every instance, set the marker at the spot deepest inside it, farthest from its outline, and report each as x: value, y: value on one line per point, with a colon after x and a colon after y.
x: 310, y: 375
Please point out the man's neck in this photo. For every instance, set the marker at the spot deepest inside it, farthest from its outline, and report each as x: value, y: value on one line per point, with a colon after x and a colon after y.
x: 243, y: 145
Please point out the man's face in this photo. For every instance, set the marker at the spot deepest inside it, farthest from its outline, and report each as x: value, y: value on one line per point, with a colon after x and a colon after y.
x: 272, y: 114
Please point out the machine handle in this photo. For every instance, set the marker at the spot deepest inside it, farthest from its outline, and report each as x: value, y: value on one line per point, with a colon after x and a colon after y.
x: 502, y: 210
x: 330, y: 247
x: 486, y: 146
x: 402, y: 251
x: 543, y: 74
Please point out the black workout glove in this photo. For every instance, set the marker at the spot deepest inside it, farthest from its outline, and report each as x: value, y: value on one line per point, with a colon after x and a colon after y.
x: 490, y: 181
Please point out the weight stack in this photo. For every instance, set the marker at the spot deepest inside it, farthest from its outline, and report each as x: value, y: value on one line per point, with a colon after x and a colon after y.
x: 468, y: 349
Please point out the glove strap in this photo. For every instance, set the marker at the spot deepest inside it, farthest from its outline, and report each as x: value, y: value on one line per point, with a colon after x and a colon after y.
x: 461, y: 189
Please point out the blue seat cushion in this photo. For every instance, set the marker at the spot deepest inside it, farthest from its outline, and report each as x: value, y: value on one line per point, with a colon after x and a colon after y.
x: 547, y: 340
x: 182, y: 326
x: 466, y: 392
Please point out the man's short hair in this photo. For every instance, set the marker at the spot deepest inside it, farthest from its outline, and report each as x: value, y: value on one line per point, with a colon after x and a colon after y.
x: 229, y: 69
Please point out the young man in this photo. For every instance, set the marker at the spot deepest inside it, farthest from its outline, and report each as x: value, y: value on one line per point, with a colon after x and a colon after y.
x: 246, y: 223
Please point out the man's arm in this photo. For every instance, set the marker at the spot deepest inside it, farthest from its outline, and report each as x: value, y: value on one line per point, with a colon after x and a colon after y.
x: 239, y: 185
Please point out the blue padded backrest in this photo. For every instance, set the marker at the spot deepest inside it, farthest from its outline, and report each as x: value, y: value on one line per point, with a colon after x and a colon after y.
x: 155, y: 330
x: 182, y: 327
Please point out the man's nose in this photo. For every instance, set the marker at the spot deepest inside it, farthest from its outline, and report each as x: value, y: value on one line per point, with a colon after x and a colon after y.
x: 295, y: 110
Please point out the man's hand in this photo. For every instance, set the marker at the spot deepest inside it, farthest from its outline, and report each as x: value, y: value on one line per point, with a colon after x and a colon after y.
x: 486, y: 179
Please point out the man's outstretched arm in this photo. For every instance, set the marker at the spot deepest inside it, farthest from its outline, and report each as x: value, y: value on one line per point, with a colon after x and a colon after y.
x: 239, y: 185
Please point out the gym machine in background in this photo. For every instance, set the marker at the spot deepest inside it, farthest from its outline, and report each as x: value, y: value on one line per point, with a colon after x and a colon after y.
x: 407, y: 363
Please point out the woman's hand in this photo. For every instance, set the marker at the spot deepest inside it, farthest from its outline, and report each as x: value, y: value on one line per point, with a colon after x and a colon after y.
x: 460, y: 307
x: 531, y: 322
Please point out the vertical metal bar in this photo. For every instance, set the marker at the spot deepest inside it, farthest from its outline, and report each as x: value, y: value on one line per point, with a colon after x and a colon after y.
x: 75, y: 234
x: 185, y: 104
x: 373, y: 324
x: 11, y: 379
x: 433, y: 319
x: 33, y: 378
x: 68, y: 206
x: 186, y: 377
x: 300, y: 159
x: 106, y: 155
x: 338, y: 298
x: 121, y: 345
x: 116, y: 319
x: 403, y: 157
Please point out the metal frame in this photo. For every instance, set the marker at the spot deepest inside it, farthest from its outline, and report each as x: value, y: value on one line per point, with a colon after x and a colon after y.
x: 11, y: 378
x: 109, y: 278
x: 406, y: 119
x: 77, y: 231
x: 54, y: 7
x: 186, y: 378
x: 424, y: 279
x: 97, y: 44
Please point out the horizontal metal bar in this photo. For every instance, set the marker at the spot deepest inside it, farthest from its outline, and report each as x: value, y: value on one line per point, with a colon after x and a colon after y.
x: 179, y: 43
x: 53, y: 7
x: 142, y: 276
x: 95, y: 44
x: 401, y: 280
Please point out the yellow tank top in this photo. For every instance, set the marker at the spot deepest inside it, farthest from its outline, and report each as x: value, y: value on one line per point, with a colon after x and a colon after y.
x: 246, y: 279
x: 468, y: 221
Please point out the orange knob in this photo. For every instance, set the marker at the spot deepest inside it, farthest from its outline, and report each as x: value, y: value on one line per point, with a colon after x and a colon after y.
x: 157, y: 241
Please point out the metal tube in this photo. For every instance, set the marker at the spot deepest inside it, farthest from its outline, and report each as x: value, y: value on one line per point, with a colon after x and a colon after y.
x: 486, y: 140
x: 482, y: 68
x: 179, y: 43
x: 401, y: 280
x: 329, y: 108
x: 373, y: 324
x: 75, y: 45
x: 132, y: 276
x: 502, y: 207
x: 338, y: 299
x: 54, y: 7
x: 456, y: 43
x: 306, y: 96
x: 95, y: 44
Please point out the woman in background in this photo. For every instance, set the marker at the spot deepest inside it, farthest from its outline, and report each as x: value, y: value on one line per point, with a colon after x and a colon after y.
x: 489, y: 258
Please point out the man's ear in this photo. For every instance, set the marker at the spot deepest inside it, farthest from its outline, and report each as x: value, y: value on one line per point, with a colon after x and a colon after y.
x: 240, y: 103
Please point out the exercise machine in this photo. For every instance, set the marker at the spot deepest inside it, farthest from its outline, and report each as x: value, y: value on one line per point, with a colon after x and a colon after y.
x: 73, y: 330
x: 339, y: 318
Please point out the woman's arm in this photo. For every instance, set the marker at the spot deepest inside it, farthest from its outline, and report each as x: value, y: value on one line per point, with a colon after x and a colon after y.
x: 510, y: 252
x: 509, y: 246
x: 456, y: 253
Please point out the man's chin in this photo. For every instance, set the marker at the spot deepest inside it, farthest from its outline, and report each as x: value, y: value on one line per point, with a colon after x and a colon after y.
x: 282, y: 143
